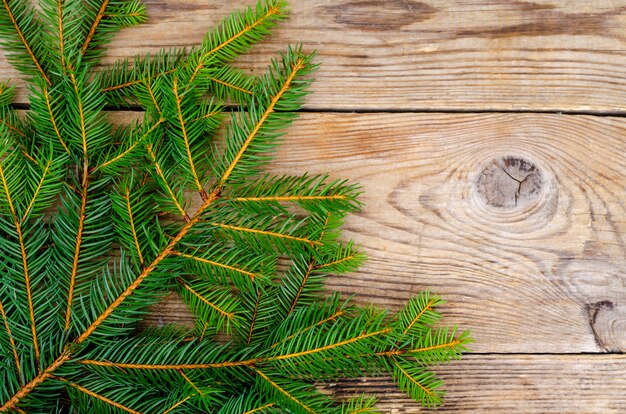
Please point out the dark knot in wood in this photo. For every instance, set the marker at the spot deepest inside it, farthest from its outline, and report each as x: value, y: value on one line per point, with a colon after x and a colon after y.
x: 510, y: 182
x: 592, y: 314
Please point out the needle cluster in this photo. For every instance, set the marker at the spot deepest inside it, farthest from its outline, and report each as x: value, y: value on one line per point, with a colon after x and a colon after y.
x: 98, y: 222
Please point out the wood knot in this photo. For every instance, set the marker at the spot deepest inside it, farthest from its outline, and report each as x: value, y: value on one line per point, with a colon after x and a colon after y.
x: 592, y: 310
x: 510, y: 182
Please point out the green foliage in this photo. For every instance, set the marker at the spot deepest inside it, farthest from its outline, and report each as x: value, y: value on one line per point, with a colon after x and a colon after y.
x: 99, y: 223
x: 361, y: 404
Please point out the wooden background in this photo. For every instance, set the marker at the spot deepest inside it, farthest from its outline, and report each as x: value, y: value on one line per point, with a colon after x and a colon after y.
x: 490, y: 138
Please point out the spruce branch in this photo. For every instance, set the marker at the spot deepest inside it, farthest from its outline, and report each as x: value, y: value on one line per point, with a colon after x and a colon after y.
x: 103, y: 19
x: 9, y: 188
x: 13, y: 124
x: 249, y: 258
x: 20, y: 32
x: 9, y: 337
x: 205, y: 64
x: 360, y: 405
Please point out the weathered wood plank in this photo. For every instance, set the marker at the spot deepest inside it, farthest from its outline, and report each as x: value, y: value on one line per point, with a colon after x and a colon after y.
x: 547, y: 275
x: 515, y: 384
x: 409, y: 54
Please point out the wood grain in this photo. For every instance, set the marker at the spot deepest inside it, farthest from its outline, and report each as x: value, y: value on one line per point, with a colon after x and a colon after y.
x: 545, y: 276
x: 406, y: 54
x: 518, y: 220
x: 514, y: 384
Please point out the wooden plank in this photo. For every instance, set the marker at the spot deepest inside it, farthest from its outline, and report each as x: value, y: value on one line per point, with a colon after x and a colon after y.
x: 407, y: 54
x: 547, y: 275
x: 514, y: 384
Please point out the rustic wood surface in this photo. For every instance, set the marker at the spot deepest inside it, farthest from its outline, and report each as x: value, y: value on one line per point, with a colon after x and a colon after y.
x: 546, y: 276
x: 518, y: 219
x: 516, y: 384
x: 565, y: 55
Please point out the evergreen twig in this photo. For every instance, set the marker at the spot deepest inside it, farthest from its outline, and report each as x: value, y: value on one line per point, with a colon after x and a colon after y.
x: 77, y: 279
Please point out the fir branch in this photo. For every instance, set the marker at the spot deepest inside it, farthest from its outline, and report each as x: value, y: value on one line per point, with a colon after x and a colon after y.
x: 439, y: 345
x: 259, y: 409
x: 185, y: 137
x: 330, y: 318
x: 13, y: 128
x: 79, y: 241
x: 153, y: 99
x: 59, y: 4
x: 236, y: 269
x: 451, y: 344
x: 429, y: 306
x: 147, y: 271
x: 415, y: 382
x: 228, y: 83
x: 177, y: 404
x: 335, y: 262
x: 127, y: 84
x: 94, y: 26
x: 61, y: 21
x: 104, y: 18
x: 305, y: 279
x: 93, y: 394
x: 139, y: 142
x: 214, y: 306
x: 360, y: 405
x: 17, y: 26
x: 293, y: 199
x: 133, y: 227
x: 81, y: 117
x: 53, y: 119
x: 165, y: 183
x: 171, y: 367
x: 443, y: 352
x: 44, y: 175
x: 36, y: 381
x: 272, y: 234
x: 270, y: 108
x: 315, y: 194
x: 331, y: 346
x: 194, y: 386
x: 12, y: 342
x: 241, y: 30
x: 231, y: 86
x: 283, y: 391
x: 10, y: 120
x: 81, y: 95
x: 27, y: 277
x: 272, y: 11
x: 255, y: 314
x: 280, y: 355
x: 76, y: 280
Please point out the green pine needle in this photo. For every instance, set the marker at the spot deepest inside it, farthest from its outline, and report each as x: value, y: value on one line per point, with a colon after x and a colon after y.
x: 99, y: 223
